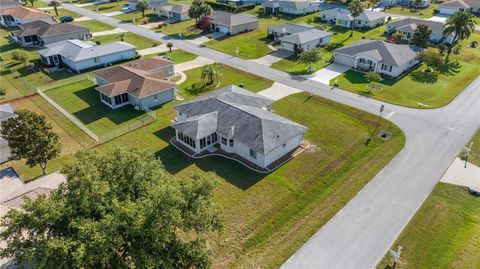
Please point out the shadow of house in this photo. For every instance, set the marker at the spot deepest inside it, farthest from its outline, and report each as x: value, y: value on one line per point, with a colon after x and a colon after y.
x: 175, y: 161
x: 97, y: 110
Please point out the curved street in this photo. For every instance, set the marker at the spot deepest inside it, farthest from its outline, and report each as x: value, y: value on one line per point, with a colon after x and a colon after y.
x: 362, y: 232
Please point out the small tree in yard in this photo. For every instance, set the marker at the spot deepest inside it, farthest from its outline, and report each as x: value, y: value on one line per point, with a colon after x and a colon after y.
x: 143, y: 5
x: 32, y: 2
x: 397, y: 37
x: 122, y: 37
x: 119, y: 209
x: 373, y: 77
x: 211, y: 73
x: 310, y: 57
x: 421, y: 36
x: 170, y: 46
x: 30, y: 137
x: 55, y: 4
x: 20, y: 56
x: 430, y: 58
x: 442, y: 48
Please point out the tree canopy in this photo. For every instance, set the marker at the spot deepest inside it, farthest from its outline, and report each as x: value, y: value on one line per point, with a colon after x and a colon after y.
x: 143, y: 5
x: 355, y: 8
x: 430, y: 58
x: 421, y: 36
x: 31, y: 137
x: 119, y: 209
x: 212, y: 73
x: 461, y: 24
x: 310, y: 57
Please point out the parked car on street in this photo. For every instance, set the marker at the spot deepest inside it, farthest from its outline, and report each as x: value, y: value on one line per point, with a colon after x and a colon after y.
x: 66, y: 19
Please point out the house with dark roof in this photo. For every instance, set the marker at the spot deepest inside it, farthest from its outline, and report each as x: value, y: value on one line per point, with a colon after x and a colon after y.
x: 238, y: 122
x: 232, y: 23
x: 177, y: 12
x: 41, y: 33
x: 299, y: 37
x: 7, y: 111
x: 290, y: 7
x: 8, y: 4
x: 339, y: 16
x: 407, y: 3
x: 13, y: 17
x: 378, y: 56
x: 408, y: 26
x: 144, y: 83
x: 80, y: 55
x: 454, y: 6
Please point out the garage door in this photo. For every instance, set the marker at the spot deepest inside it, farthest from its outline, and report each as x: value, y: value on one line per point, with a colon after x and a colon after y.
x: 222, y: 29
x: 344, y: 59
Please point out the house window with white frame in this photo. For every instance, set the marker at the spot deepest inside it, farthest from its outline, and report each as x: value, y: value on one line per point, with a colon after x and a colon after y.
x: 253, y: 153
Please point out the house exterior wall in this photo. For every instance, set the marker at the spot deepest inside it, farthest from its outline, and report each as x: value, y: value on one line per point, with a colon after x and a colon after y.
x: 244, y: 151
x: 308, y: 45
x: 154, y: 99
x: 99, y: 61
x: 344, y: 59
x: 280, y: 151
x: 297, y: 11
x: 243, y: 28
x: 447, y: 10
x: 4, y: 153
x: 369, y: 24
x: 434, y: 38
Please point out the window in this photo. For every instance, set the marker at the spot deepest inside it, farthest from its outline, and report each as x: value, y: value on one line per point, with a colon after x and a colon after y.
x: 125, y: 97
x: 209, y: 140
x: 253, y: 153
x: 187, y: 140
x: 106, y: 99
x: 231, y: 142
x: 202, y: 143
x: 224, y: 141
x: 155, y: 97
x: 214, y: 137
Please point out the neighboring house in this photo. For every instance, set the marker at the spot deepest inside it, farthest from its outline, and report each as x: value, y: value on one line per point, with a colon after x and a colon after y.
x: 7, y: 111
x: 80, y: 55
x: 408, y: 3
x: 40, y: 33
x: 239, y: 122
x: 342, y: 17
x: 459, y: 5
x: 290, y: 7
x: 177, y: 12
x: 378, y: 56
x: 231, y: 23
x: 132, y: 4
x: 143, y: 83
x: 408, y: 26
x: 8, y: 4
x: 16, y: 16
x: 241, y: 2
x: 296, y: 38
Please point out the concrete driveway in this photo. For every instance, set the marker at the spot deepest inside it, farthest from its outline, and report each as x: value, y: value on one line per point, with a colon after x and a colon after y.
x: 273, y: 57
x: 328, y: 73
x: 278, y: 91
x: 439, y: 17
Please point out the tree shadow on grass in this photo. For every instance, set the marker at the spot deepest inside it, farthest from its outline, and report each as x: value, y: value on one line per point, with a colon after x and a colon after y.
x: 198, y: 88
x: 97, y: 110
x: 175, y: 161
x: 450, y: 67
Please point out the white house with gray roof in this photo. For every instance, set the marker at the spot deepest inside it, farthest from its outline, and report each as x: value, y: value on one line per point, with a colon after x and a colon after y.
x: 177, y: 12
x: 454, y: 6
x: 290, y: 7
x: 408, y: 26
x: 339, y: 16
x: 231, y: 23
x: 408, y: 3
x: 238, y: 122
x: 377, y: 56
x: 80, y: 55
x: 298, y: 37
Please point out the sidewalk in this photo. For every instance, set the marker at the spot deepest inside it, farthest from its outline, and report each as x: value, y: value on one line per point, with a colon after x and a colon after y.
x: 109, y: 32
x: 458, y: 174
x: 157, y: 49
x: 198, y: 62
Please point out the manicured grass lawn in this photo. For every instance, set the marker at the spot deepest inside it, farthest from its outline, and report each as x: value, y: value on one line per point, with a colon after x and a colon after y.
x: 82, y: 101
x: 131, y: 38
x: 460, y: 71
x: 340, y: 38
x: 137, y: 15
x: 62, y: 12
x: 179, y: 56
x: 108, y: 7
x: 423, y: 13
x: 444, y: 233
x: 95, y: 26
x: 474, y: 156
x: 187, y: 28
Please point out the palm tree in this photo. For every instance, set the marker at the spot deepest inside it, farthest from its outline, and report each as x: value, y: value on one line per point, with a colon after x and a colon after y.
x: 143, y: 5
x: 461, y: 24
x: 212, y: 73
x: 355, y: 8
x: 55, y: 4
x: 373, y: 2
x: 170, y: 46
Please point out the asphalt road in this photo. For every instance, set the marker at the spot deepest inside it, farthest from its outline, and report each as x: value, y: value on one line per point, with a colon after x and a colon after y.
x: 362, y: 232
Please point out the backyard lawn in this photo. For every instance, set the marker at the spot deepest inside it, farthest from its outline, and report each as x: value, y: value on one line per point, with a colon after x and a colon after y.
x: 178, y: 56
x: 444, y: 233
x: 423, y: 13
x: 455, y: 75
x: 131, y: 38
x: 95, y: 26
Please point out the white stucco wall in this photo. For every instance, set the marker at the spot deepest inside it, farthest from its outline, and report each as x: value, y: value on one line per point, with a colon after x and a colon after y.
x: 280, y: 151
x: 101, y: 61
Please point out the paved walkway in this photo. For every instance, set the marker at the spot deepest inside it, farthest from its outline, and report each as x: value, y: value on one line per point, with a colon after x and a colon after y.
x: 197, y: 62
x: 109, y: 32
x: 158, y: 49
x: 278, y: 91
x: 113, y: 13
x: 87, y: 4
x: 458, y: 174
x: 326, y: 74
x: 273, y: 57
x: 84, y: 18
x: 200, y: 40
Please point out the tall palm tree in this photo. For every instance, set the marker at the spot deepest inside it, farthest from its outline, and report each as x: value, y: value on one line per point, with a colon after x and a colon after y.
x: 55, y: 4
x: 143, y: 5
x: 373, y: 2
x: 212, y: 73
x: 355, y: 8
x: 461, y: 24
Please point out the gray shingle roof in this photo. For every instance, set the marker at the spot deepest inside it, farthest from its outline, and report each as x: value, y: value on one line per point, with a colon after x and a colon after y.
x: 344, y: 14
x: 240, y: 116
x: 176, y: 8
x: 461, y: 4
x: 305, y: 36
x: 388, y: 53
x: 76, y: 50
x: 231, y: 19
x: 45, y: 29
x: 410, y: 24
x: 297, y: 5
x: 289, y: 28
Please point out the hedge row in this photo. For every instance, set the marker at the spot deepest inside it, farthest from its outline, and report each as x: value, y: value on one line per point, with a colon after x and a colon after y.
x: 230, y: 8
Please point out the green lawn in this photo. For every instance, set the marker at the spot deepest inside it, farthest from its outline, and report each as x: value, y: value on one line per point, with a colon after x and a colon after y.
x: 178, y: 56
x: 423, y: 13
x: 459, y: 72
x: 137, y: 15
x: 444, y: 233
x: 474, y: 156
x: 108, y: 7
x: 340, y: 38
x: 131, y: 38
x: 82, y: 101
x: 95, y: 26
x: 187, y: 28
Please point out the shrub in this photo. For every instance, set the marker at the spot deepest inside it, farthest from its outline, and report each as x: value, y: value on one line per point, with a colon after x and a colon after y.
x: 98, y: 42
x: 3, y: 92
x: 155, y: 44
x: 474, y: 44
x: 425, y: 77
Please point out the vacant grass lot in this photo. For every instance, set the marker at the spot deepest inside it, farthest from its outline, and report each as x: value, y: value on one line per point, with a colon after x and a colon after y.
x: 444, y: 233
x: 341, y: 37
x: 178, y: 56
x: 187, y: 28
x: 455, y: 75
x: 95, y: 26
x: 131, y: 38
x: 108, y: 7
x: 423, y: 13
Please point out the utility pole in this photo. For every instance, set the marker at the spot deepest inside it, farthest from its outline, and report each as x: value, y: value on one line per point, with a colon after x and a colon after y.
x: 467, y: 152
